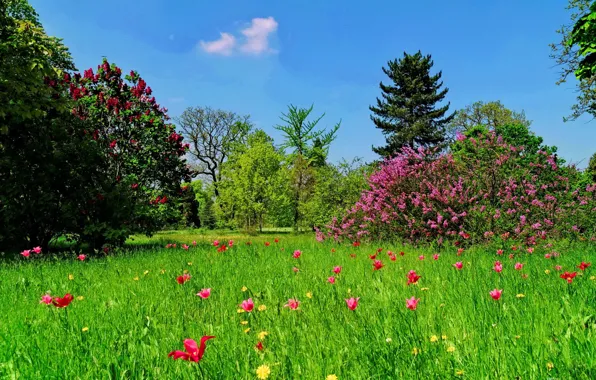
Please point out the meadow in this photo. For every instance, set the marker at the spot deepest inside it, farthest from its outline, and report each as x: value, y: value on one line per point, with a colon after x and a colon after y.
x: 129, y: 311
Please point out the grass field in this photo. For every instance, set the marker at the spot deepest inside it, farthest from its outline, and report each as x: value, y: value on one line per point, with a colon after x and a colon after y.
x: 129, y: 312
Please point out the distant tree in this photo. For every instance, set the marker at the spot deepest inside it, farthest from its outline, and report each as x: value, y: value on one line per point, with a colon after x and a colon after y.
x: 491, y: 115
x: 575, y: 54
x: 211, y: 133
x: 407, y: 113
x: 591, y: 170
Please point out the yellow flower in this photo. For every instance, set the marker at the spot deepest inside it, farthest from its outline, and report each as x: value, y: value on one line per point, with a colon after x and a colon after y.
x: 520, y: 295
x: 349, y: 291
x: 263, y: 372
x: 70, y: 277
x: 424, y: 289
x: 240, y: 311
x: 550, y: 366
x: 146, y: 272
x: 451, y: 349
x: 444, y: 337
x: 136, y: 278
x: 262, y: 308
x: 547, y: 271
x: 388, y: 340
x: 459, y: 372
x: 244, y: 288
x: 80, y: 298
x: 593, y: 278
x: 331, y: 377
x: 244, y: 322
x: 433, y: 339
x: 309, y: 295
x: 517, y: 336
x: 415, y: 351
x: 85, y: 329
x: 263, y: 334
x: 163, y: 271
x: 247, y: 330
x: 185, y: 271
x: 189, y: 263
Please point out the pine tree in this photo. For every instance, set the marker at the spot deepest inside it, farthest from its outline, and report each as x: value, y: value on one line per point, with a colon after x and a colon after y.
x: 407, y: 114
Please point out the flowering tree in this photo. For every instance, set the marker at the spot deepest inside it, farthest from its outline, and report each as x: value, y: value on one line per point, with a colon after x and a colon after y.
x: 137, y: 179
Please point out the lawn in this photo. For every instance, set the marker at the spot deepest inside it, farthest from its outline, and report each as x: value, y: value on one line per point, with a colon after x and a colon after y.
x: 129, y: 312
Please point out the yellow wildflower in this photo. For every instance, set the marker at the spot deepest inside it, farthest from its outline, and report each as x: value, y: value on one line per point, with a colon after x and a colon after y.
x: 520, y: 295
x: 424, y: 289
x: 459, y: 372
x: 451, y: 349
x: 185, y: 271
x: 80, y: 298
x: 189, y: 263
x: 136, y: 278
x: 593, y: 278
x: 244, y: 288
x: 415, y: 351
x: 550, y: 366
x: 244, y: 322
x: 444, y: 337
x: 433, y: 339
x: 146, y: 272
x: 240, y: 311
x: 70, y: 277
x: 547, y: 271
x: 349, y: 291
x: 263, y: 334
x: 308, y: 295
x: 331, y: 377
x: 163, y: 271
x: 388, y: 340
x: 85, y: 329
x: 517, y: 336
x: 263, y: 372
x: 247, y: 330
x: 262, y: 308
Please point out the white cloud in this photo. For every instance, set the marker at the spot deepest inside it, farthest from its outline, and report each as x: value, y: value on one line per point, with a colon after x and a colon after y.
x: 257, y: 35
x: 224, y: 45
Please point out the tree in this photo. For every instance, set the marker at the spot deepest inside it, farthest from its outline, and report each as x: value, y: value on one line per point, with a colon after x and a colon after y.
x: 491, y: 115
x: 407, y: 114
x: 309, y: 149
x: 591, y: 170
x: 252, y: 182
x: 211, y: 133
x: 575, y: 54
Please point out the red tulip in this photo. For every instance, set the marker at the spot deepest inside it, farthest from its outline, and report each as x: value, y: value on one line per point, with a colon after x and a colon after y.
x: 182, y: 279
x: 267, y: 244
x: 412, y: 277
x: 496, y: 293
x: 584, y: 266
x: 247, y: 305
x: 193, y: 353
x: 296, y: 254
x: 292, y: 304
x: 352, y: 303
x: 458, y: 265
x: 436, y: 256
x: 62, y: 301
x: 331, y: 280
x: 568, y: 276
x: 337, y: 270
x: 377, y: 264
x: 259, y: 346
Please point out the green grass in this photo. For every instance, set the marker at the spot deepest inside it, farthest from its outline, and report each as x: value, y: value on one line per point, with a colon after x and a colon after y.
x: 135, y: 319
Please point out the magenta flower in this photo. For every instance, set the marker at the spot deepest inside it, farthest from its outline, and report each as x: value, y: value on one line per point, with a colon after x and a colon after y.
x: 296, y: 254
x: 46, y: 298
x: 436, y: 256
x: 458, y: 265
x: 292, y: 304
x: 412, y: 303
x: 37, y: 250
x: 26, y: 253
x: 496, y: 293
x: 204, y: 293
x: 421, y: 257
x: 352, y: 303
x: 81, y: 257
x: 331, y: 280
x: 519, y: 266
x: 247, y: 305
x: 498, y: 267
x: 337, y: 270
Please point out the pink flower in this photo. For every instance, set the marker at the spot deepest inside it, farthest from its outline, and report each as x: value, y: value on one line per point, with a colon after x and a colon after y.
x: 204, y: 293
x: 46, y: 298
x: 292, y: 304
x: 460, y: 251
x: 436, y: 256
x: 184, y: 246
x: 530, y: 250
x: 37, y: 250
x: 498, y: 267
x: 26, y: 253
x: 215, y: 243
x: 193, y: 353
x: 458, y: 265
x: 392, y: 257
x: 421, y: 257
x: 331, y: 280
x: 547, y: 256
x: 337, y: 270
x: 496, y: 293
x: 296, y: 270
x: 519, y: 266
x: 182, y: 279
x: 247, y: 305
x: 558, y: 267
x: 81, y: 257
x: 499, y: 252
x: 377, y: 264
x: 352, y: 303
x: 412, y: 303
x: 194, y: 243
x: 296, y: 254
x: 511, y: 256
x: 230, y: 243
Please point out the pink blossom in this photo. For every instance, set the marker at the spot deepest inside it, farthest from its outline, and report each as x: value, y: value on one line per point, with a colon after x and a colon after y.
x: 26, y: 253
x: 37, y: 250
x: 519, y: 266
x: 46, y: 298
x: 292, y: 304
x: 421, y: 257
x: 247, y: 305
x: 215, y: 243
x: 204, y: 293
x: 81, y: 257
x: 352, y: 303
x: 436, y: 256
x: 496, y: 293
x: 498, y: 267
x: 337, y: 270
x: 458, y: 265
x: 296, y: 254
x: 331, y: 280
x: 412, y: 303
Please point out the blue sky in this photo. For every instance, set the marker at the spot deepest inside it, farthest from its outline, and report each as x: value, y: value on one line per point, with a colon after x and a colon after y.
x: 256, y: 57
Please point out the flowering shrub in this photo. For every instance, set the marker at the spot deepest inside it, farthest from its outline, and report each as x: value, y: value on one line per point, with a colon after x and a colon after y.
x: 485, y: 188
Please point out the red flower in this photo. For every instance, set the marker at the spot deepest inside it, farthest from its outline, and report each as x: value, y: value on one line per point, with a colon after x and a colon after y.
x: 377, y: 264
x: 62, y: 301
x: 276, y: 240
x: 402, y: 253
x: 356, y: 244
x: 192, y: 352
x: 267, y: 244
x: 568, y: 276
x: 182, y: 279
x: 372, y: 257
x: 259, y: 346
x: 583, y: 265
x: 413, y: 277
x: 222, y: 248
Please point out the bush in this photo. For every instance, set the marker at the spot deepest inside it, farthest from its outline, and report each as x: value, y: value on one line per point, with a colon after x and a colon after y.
x: 486, y: 188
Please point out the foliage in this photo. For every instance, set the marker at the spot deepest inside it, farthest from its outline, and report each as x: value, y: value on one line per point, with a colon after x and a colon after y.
x: 212, y: 133
x: 253, y: 183
x: 491, y: 115
x: 407, y: 114
x: 486, y: 188
x: 591, y: 170
x: 138, y: 177
x: 575, y: 54
x: 190, y: 206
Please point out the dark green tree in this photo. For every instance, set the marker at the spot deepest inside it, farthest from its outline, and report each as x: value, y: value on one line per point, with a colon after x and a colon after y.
x: 408, y: 113
x: 591, y: 170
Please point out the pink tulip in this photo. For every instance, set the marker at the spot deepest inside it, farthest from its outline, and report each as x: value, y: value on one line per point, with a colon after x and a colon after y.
x: 46, y: 298
x: 215, y: 243
x: 331, y: 280
x: 296, y: 254
x: 204, y: 293
x: 498, y: 267
x: 37, y: 250
x: 412, y: 303
x: 421, y: 257
x: 436, y: 256
x: 26, y: 253
x: 184, y: 246
x: 519, y: 266
x: 558, y: 267
x: 547, y: 256
x: 337, y: 270
x: 81, y: 257
x: 247, y: 305
x: 193, y: 351
x: 496, y: 293
x: 499, y: 252
x: 292, y: 304
x: 230, y: 243
x: 458, y: 265
x: 352, y: 303
x: 194, y: 243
